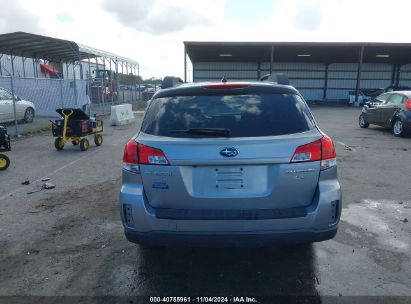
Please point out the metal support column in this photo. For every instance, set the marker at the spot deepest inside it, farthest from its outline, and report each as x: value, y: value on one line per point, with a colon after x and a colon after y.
x: 1, y: 69
x: 127, y: 79
x: 135, y: 83
x: 89, y: 67
x: 75, y: 84
x: 258, y: 70
x: 99, y: 89
x: 23, y: 59
x: 89, y: 79
x: 325, y: 82
x: 34, y: 68
x: 139, y: 79
x: 398, y: 76
x: 111, y: 85
x: 13, y: 95
x: 117, y: 80
x: 103, y: 86
x: 394, y: 73
x: 61, y: 87
x: 271, y: 59
x: 185, y: 64
x: 81, y: 70
x: 357, y: 87
x: 131, y: 83
x: 122, y: 73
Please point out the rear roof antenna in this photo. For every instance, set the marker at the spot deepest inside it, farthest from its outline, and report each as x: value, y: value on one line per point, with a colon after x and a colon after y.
x: 224, y: 80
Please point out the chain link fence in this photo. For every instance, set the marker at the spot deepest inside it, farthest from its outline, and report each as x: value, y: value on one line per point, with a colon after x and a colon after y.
x: 47, y: 95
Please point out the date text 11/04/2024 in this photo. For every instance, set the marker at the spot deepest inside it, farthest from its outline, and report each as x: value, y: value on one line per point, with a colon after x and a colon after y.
x: 203, y: 300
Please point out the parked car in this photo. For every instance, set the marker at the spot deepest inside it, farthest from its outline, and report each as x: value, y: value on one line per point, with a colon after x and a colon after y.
x: 393, y: 88
x: 229, y: 163
x: 25, y: 110
x: 372, y: 93
x: 362, y: 97
x: 391, y: 110
x: 148, y: 93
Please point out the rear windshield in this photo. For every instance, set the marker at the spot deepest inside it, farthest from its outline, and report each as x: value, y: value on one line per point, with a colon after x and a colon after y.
x: 243, y: 115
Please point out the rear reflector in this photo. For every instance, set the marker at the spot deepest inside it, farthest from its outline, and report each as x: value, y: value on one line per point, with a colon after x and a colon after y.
x: 335, y: 210
x: 321, y: 150
x: 135, y: 154
x: 218, y: 86
x: 128, y: 215
x: 408, y: 105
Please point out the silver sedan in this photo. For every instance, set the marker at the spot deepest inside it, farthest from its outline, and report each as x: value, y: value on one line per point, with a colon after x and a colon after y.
x: 25, y: 110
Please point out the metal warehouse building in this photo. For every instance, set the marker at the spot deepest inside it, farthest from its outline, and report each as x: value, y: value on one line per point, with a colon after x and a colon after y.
x: 321, y: 71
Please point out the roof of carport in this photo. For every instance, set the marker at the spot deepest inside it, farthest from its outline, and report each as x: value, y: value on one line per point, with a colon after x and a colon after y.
x: 43, y: 47
x: 328, y: 52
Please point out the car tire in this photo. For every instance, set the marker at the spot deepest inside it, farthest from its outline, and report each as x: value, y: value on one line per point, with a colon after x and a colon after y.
x: 29, y: 115
x: 362, y: 123
x: 398, y: 128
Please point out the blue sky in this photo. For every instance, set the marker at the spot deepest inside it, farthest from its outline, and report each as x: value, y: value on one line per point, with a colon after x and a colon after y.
x: 250, y: 12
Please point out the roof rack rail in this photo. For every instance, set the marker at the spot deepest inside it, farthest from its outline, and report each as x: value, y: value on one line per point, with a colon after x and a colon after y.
x: 171, y: 81
x: 278, y: 78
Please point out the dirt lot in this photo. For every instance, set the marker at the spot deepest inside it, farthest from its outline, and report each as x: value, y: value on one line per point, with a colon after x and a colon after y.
x: 69, y: 240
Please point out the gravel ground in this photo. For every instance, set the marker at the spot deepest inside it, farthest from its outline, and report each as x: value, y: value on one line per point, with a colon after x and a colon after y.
x: 69, y: 240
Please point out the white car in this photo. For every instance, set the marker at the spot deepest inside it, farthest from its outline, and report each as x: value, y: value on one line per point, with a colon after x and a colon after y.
x: 25, y: 110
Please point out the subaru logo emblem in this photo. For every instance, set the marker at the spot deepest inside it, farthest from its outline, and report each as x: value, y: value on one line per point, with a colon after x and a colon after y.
x: 229, y: 152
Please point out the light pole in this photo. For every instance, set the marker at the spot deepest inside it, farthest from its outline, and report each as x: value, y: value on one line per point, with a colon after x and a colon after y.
x: 12, y: 93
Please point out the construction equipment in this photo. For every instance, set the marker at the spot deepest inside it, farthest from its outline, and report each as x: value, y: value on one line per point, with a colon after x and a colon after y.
x: 103, y: 86
x: 4, y: 146
x: 74, y: 126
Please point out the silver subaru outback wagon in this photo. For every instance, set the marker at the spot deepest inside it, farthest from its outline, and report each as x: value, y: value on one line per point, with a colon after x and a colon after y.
x: 229, y: 163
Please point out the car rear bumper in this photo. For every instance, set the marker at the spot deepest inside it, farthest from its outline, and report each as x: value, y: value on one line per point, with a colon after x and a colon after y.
x: 166, y: 238
x: 144, y: 224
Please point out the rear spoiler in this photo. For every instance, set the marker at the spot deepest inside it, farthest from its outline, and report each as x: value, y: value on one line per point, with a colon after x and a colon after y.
x: 278, y: 78
x: 171, y: 81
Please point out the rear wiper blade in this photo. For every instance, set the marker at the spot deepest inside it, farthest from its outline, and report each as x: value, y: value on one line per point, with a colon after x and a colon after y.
x: 205, y: 131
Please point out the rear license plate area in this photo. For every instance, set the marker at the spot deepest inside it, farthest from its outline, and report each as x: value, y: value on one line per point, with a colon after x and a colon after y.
x: 229, y: 178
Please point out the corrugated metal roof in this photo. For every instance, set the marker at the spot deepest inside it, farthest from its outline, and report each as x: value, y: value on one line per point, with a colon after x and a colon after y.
x: 325, y: 52
x: 43, y: 47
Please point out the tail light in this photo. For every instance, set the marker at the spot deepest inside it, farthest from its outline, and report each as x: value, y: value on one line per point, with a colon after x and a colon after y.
x: 308, y: 152
x: 137, y: 154
x: 130, y: 156
x: 321, y: 150
x: 151, y: 156
x: 408, y: 105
